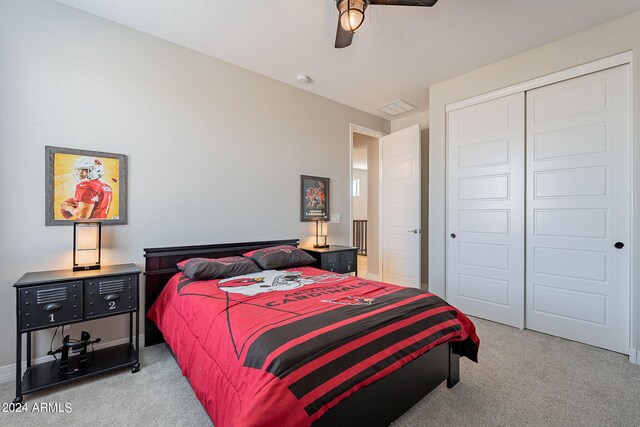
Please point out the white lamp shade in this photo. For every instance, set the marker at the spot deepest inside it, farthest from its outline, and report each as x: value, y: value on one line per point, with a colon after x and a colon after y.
x: 87, y: 238
x: 86, y: 246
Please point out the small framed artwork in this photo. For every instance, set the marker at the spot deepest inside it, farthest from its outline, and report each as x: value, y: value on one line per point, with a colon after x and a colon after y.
x: 84, y: 185
x: 314, y: 198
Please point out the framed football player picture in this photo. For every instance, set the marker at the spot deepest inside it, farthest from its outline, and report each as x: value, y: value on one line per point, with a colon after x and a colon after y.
x: 314, y: 198
x: 84, y: 185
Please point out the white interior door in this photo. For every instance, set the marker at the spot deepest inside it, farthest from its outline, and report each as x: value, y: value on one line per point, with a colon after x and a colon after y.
x: 400, y: 158
x: 485, y: 215
x: 578, y: 207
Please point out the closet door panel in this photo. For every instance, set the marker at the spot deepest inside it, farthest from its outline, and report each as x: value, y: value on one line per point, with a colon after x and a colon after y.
x: 578, y: 207
x: 485, y: 215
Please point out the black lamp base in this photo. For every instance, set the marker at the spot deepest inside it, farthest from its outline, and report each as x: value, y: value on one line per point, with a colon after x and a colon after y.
x: 86, y: 267
x: 320, y: 246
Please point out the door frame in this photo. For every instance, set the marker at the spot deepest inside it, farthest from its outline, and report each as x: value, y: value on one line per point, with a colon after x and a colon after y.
x: 573, y: 72
x: 374, y: 134
x: 569, y: 73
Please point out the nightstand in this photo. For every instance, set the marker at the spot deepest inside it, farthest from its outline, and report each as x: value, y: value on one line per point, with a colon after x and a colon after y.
x: 339, y: 259
x: 48, y: 299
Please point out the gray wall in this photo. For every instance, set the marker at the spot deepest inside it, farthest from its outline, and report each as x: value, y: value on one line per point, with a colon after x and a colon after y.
x: 604, y: 40
x: 215, y: 151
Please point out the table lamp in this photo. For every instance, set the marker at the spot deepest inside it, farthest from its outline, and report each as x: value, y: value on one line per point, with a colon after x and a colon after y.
x: 86, y: 245
x: 321, y: 235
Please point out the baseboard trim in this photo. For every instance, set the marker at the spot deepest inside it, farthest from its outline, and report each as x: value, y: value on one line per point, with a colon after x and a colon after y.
x: 8, y: 372
x: 634, y: 356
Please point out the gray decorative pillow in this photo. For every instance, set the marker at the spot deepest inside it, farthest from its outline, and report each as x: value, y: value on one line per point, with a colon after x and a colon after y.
x: 216, y: 268
x: 282, y: 256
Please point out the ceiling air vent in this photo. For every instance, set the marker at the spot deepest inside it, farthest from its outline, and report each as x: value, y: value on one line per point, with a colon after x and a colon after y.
x: 396, y: 107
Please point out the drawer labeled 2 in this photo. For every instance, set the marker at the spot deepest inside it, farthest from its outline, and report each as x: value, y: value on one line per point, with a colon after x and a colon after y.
x: 50, y: 305
x: 347, y: 261
x: 110, y: 295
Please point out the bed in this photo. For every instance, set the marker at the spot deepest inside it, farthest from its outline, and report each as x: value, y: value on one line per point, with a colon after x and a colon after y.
x: 308, y: 353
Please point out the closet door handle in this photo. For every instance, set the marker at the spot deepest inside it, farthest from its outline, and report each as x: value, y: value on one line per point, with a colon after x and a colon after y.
x: 453, y: 235
x: 619, y: 245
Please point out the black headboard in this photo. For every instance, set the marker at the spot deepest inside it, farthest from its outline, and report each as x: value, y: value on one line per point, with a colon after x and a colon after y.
x: 160, y: 266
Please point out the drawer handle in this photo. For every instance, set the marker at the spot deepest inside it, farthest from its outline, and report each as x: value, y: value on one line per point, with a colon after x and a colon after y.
x: 51, y: 307
x: 111, y: 297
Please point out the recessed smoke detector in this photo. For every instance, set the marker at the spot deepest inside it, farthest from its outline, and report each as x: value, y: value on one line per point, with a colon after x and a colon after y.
x: 396, y: 107
x: 302, y: 78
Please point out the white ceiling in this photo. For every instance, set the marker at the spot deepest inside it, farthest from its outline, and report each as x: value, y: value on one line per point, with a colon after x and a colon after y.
x: 397, y: 54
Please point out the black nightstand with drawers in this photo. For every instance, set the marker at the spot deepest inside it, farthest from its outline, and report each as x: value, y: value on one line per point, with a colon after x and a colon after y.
x: 61, y: 297
x: 339, y: 259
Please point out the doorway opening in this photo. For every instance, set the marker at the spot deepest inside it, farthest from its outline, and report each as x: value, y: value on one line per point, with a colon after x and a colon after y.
x: 365, y: 200
x: 359, y: 198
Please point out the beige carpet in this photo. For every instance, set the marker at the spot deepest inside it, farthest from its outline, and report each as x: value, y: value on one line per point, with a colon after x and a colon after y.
x: 523, y: 378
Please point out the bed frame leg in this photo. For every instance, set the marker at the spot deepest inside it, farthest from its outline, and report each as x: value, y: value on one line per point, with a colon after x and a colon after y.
x: 454, y: 368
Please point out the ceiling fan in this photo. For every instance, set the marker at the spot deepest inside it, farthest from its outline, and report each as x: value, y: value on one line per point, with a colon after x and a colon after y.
x: 352, y: 15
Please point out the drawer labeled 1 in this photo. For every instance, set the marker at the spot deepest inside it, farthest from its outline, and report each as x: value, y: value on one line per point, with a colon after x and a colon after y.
x: 110, y: 295
x: 50, y: 305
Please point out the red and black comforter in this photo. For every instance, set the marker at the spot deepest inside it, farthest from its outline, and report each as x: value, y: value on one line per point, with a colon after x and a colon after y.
x: 280, y: 348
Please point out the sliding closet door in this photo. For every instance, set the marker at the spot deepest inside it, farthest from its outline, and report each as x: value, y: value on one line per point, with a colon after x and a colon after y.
x: 578, y: 207
x: 485, y: 216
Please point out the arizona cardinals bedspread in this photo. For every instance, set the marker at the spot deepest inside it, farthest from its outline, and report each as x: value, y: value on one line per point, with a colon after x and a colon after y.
x: 280, y: 348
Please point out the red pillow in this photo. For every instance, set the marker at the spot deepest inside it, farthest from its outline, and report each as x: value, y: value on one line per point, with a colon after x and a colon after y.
x: 207, y: 268
x: 282, y: 256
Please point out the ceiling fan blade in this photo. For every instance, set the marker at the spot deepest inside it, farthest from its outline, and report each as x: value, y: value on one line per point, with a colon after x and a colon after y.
x: 424, y: 3
x: 343, y: 37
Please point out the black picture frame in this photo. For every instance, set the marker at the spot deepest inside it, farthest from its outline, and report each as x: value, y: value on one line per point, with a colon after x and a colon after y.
x: 59, y: 186
x: 314, y: 198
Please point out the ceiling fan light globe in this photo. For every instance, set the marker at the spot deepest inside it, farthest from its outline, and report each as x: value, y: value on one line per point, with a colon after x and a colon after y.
x: 351, y: 14
x: 351, y: 20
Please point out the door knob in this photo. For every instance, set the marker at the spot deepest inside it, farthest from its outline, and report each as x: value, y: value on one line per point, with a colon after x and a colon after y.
x: 453, y: 235
x: 414, y: 231
x: 619, y: 245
